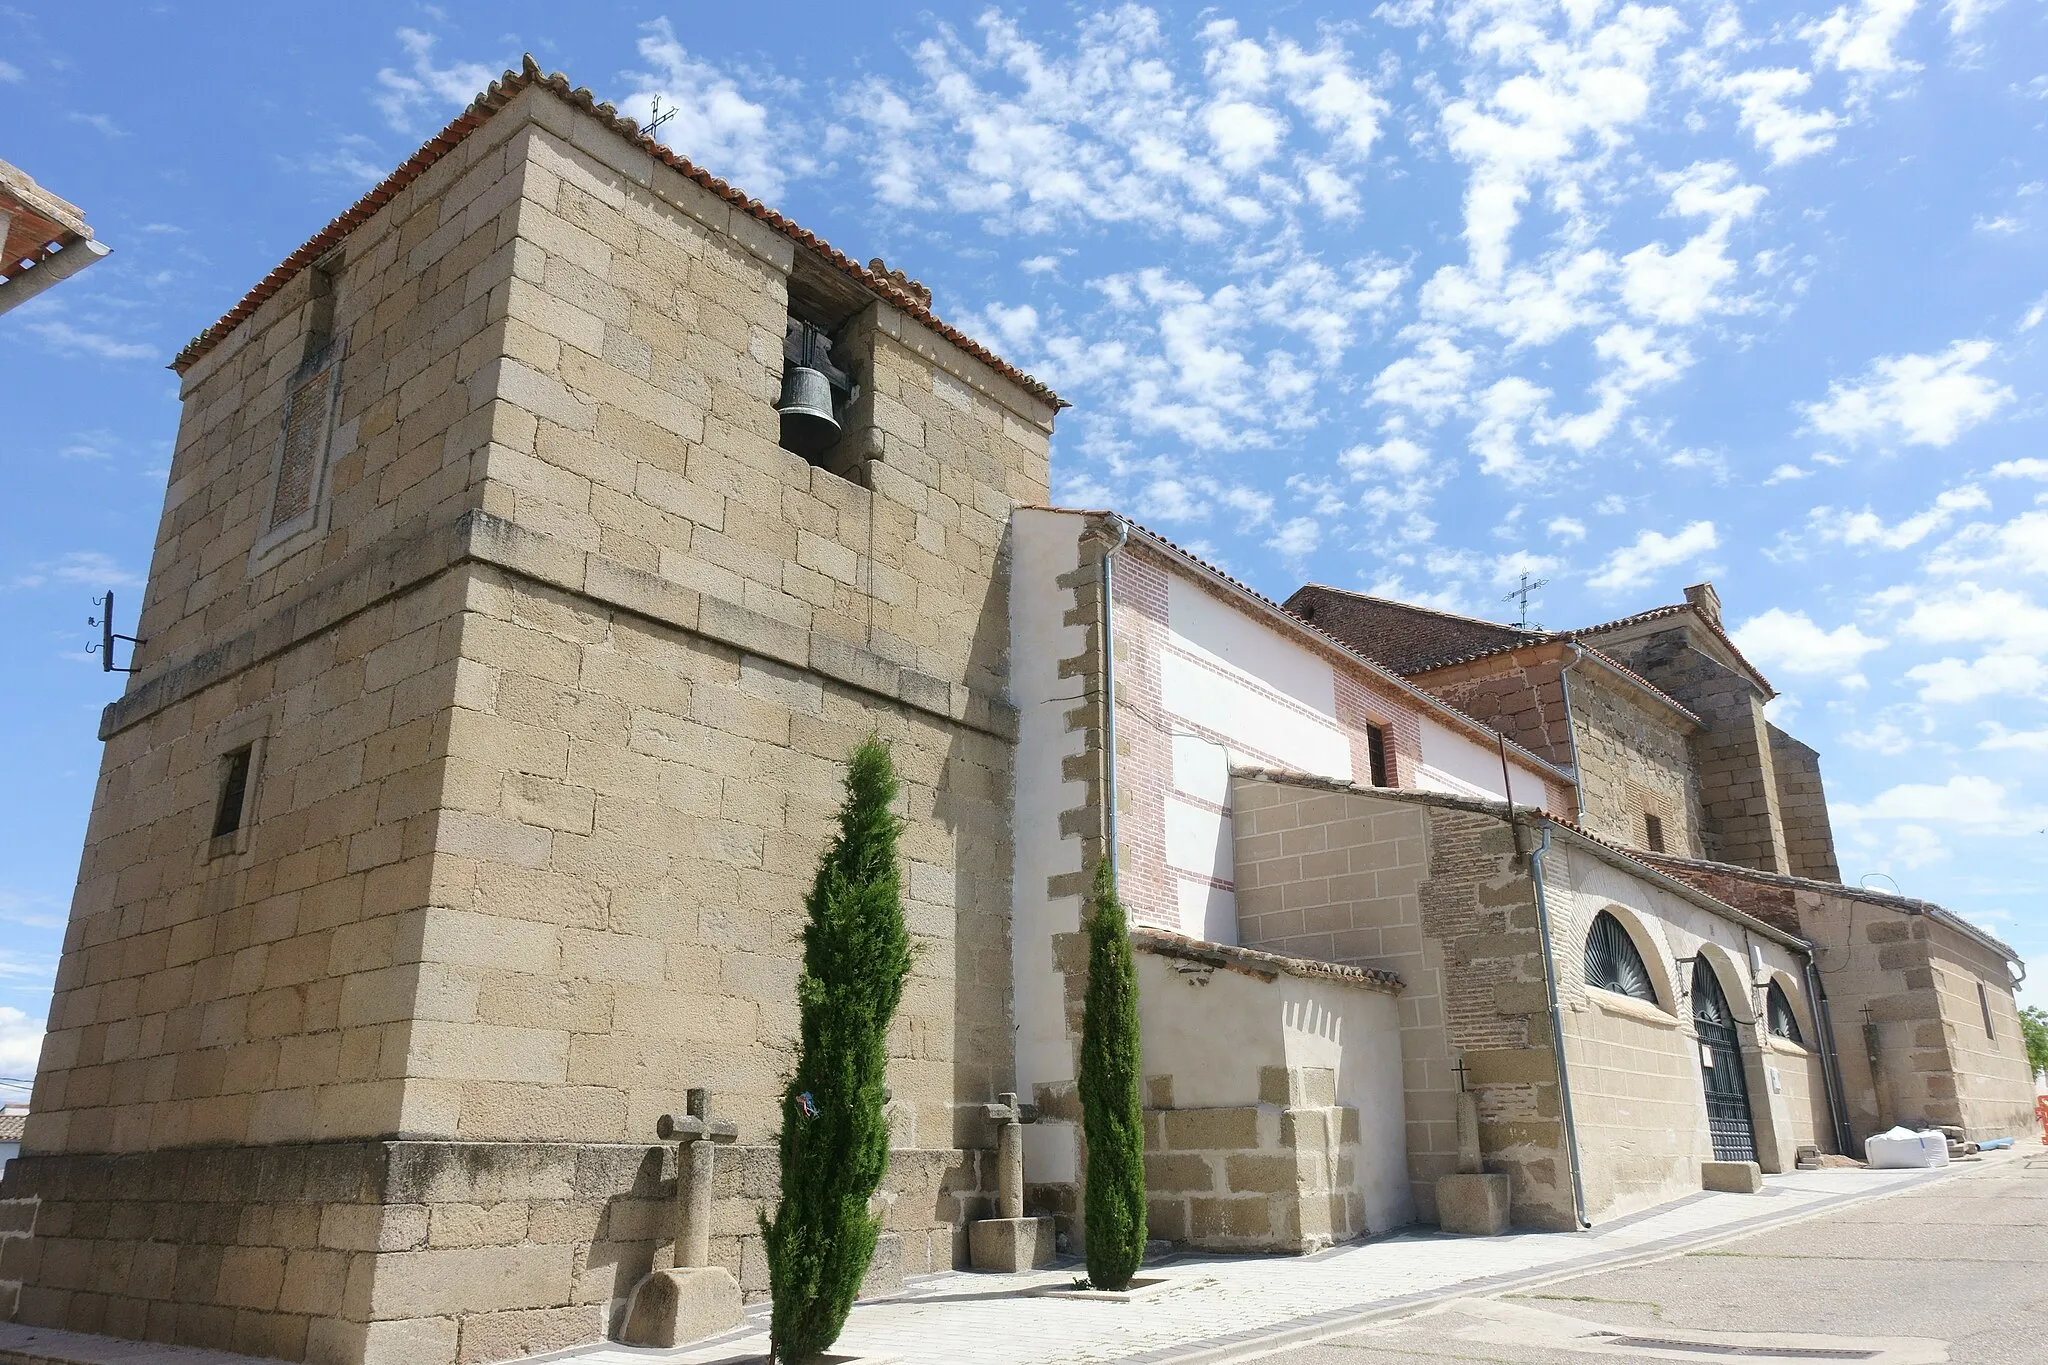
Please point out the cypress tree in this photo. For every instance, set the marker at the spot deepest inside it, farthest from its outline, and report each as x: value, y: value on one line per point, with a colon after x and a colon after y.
x: 835, y: 1141
x: 1112, y: 1111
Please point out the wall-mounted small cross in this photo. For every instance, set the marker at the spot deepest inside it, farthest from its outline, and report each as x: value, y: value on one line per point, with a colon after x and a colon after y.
x: 1461, y: 1071
x: 1012, y: 1115
x: 697, y: 1136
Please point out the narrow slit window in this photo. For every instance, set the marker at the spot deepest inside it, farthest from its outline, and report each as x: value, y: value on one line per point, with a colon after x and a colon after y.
x: 1653, y: 832
x: 234, y: 793
x: 1377, y: 755
x: 1984, y: 1004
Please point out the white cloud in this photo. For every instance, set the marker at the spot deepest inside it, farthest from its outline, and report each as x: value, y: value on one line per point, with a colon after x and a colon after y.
x: 1969, y: 613
x: 1296, y: 540
x: 437, y: 91
x: 69, y: 340
x: 88, y: 567
x: 2019, y: 546
x: 1430, y: 382
x: 10, y: 74
x: 1570, y: 530
x: 1996, y: 736
x: 1860, y: 39
x: 1104, y: 128
x: 1504, y: 408
x: 1763, y: 100
x: 1922, y: 399
x: 1956, y: 681
x: 1786, y: 473
x: 1964, y: 14
x: 716, y: 124
x: 1884, y: 738
x: 1867, y: 528
x: 1396, y: 456
x: 2034, y: 314
x: 1633, y: 565
x: 1790, y: 642
x: 2028, y: 468
x: 1974, y: 802
x: 21, y: 1042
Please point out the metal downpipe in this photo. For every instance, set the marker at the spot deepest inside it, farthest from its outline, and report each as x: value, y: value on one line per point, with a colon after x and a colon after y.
x: 1830, y: 1062
x: 1564, y: 1084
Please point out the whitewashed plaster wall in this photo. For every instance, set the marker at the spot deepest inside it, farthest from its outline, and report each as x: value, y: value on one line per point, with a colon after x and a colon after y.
x: 1214, y: 1037
x: 1235, y: 689
x: 1043, y: 545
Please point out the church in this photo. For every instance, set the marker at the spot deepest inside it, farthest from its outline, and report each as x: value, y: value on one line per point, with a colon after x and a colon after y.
x: 541, y: 537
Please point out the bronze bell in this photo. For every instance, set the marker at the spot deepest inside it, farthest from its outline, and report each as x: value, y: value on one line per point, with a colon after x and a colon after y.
x: 808, y: 426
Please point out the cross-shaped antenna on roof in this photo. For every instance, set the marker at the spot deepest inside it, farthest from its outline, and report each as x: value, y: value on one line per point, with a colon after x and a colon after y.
x: 1522, y: 595
x: 659, y: 118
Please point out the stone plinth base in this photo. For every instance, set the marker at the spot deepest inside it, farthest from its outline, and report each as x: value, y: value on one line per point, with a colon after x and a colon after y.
x: 676, y: 1307
x: 1010, y: 1243
x: 1475, y: 1205
x: 1732, y: 1177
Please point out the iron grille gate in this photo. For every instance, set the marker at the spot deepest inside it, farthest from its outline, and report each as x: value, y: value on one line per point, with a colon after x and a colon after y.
x: 1721, y: 1069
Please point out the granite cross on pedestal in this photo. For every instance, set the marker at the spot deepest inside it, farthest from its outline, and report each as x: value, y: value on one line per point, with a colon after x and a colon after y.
x: 1010, y: 1151
x: 695, y: 1132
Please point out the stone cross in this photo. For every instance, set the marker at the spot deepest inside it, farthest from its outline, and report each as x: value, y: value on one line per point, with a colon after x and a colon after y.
x: 1469, y: 1162
x: 695, y: 1134
x: 1010, y: 1151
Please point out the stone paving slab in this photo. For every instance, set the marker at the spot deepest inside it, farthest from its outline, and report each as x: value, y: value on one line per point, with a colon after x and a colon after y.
x: 22, y: 1345
x: 1221, y: 1306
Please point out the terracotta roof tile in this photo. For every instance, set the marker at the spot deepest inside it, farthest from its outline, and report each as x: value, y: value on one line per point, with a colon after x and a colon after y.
x: 501, y: 92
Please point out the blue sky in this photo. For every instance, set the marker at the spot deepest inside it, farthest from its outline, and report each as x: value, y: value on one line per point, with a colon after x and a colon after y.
x: 1415, y: 302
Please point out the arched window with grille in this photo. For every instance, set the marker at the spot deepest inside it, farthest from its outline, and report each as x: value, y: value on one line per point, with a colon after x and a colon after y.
x: 1778, y: 1010
x: 1613, y: 962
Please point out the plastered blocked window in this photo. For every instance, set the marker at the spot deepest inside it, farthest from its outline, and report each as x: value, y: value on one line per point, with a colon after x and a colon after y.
x: 293, y: 515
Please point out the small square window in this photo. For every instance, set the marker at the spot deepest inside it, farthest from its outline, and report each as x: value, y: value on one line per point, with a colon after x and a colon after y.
x: 1653, y: 832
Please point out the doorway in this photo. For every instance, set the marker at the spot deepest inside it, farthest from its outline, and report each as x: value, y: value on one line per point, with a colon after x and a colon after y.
x: 1728, y: 1122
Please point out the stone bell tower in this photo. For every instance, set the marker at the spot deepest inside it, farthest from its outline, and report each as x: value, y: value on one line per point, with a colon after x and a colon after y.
x: 501, y: 667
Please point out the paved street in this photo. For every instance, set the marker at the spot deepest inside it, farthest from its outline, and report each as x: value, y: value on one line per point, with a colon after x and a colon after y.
x: 1887, y: 1268
x: 1954, y: 1271
x: 1215, y: 1309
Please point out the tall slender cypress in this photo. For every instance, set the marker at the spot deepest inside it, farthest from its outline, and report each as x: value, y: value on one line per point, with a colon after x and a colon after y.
x: 1112, y: 1109
x: 835, y: 1140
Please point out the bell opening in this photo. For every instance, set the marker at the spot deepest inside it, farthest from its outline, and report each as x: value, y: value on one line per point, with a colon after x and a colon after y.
x: 814, y: 391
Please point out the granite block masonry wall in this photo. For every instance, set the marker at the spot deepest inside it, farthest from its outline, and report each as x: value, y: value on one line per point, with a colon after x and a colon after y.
x: 1738, y: 784
x: 550, y: 711
x: 1635, y: 760
x: 410, y: 1250
x: 1438, y: 895
x: 1273, y: 1176
x: 1803, y: 807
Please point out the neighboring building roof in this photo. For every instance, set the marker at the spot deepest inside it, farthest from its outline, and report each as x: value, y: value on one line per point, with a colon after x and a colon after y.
x: 1905, y: 904
x: 1413, y: 641
x: 44, y: 240
x: 1712, y: 626
x: 1257, y: 962
x: 899, y: 293
x: 1612, y: 664
x: 1614, y: 854
x: 12, y: 1126
x: 1401, y: 635
x: 1267, y: 607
